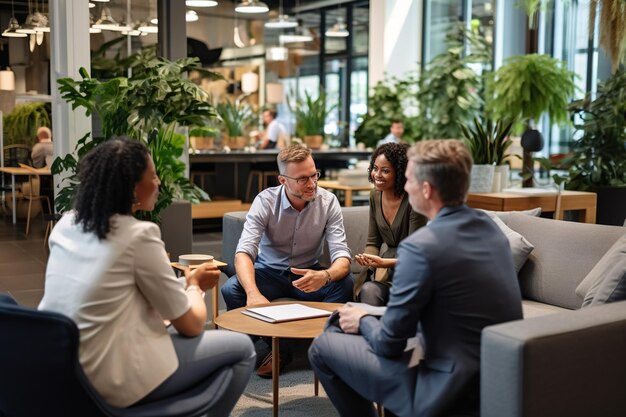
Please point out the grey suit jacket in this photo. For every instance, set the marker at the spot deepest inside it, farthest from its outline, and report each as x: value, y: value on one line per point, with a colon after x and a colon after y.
x: 453, y: 277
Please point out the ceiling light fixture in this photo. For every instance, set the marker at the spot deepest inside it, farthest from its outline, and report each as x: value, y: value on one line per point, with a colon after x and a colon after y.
x: 251, y: 6
x: 11, y: 30
x: 300, y: 35
x: 282, y: 21
x: 191, y: 16
x: 338, y: 30
x: 148, y: 28
x: 154, y: 21
x: 201, y: 3
x: 92, y: 5
x: 106, y: 21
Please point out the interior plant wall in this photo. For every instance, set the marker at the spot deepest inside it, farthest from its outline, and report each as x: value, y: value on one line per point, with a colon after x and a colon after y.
x: 20, y: 126
x: 149, y: 106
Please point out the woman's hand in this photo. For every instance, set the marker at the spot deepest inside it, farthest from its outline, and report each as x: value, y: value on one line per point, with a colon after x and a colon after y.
x: 374, y: 261
x: 205, y: 276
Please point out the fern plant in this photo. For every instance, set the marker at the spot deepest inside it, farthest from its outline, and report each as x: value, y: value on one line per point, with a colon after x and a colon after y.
x: 528, y: 86
x: 488, y: 143
x: 20, y: 126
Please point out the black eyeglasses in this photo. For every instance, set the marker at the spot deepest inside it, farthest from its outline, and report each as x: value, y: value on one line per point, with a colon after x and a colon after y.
x: 304, y: 180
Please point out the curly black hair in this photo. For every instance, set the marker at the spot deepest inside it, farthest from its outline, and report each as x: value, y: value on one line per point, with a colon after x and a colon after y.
x: 108, y: 175
x: 395, y: 153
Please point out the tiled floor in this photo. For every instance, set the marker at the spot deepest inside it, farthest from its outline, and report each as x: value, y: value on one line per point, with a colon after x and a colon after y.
x: 23, y: 260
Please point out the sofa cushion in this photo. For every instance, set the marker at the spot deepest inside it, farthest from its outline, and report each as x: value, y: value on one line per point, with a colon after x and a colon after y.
x: 532, y: 309
x: 606, y: 282
x: 520, y: 247
x: 505, y: 215
x: 564, y: 254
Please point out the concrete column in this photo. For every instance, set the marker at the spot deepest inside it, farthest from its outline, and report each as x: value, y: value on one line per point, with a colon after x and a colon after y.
x: 395, y: 41
x: 69, y: 28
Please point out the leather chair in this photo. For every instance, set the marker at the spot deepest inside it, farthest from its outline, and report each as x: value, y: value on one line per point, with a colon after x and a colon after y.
x: 41, y: 376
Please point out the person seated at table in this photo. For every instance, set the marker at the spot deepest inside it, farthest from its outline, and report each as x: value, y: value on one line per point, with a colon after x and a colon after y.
x: 282, y: 240
x: 274, y: 132
x: 396, y: 130
x: 454, y: 277
x: 391, y: 219
x: 109, y: 272
x: 42, y: 152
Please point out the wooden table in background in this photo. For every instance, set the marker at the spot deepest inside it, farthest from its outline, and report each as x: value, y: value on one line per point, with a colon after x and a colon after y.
x: 300, y: 329
x: 347, y: 189
x: 570, y: 200
x: 21, y: 171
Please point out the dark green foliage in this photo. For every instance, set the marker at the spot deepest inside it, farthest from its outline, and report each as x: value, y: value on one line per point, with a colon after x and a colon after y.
x: 149, y: 106
x: 236, y: 117
x: 528, y: 86
x: 391, y: 99
x: 310, y: 114
x: 450, y: 90
x: 20, y: 126
x: 599, y: 156
x: 488, y: 143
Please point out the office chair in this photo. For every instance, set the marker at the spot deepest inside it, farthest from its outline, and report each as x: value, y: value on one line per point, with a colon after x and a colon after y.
x: 41, y: 375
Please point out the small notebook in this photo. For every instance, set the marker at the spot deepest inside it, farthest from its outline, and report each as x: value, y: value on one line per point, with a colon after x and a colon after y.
x: 285, y: 312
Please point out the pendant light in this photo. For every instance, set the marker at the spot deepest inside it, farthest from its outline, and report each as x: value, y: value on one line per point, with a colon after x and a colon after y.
x: 44, y: 25
x: 339, y: 30
x: 200, y: 3
x: 251, y: 6
x: 11, y: 30
x: 106, y: 22
x: 29, y: 24
x: 282, y: 21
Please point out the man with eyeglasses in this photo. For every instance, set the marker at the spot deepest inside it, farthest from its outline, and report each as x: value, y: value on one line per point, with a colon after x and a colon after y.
x: 282, y: 240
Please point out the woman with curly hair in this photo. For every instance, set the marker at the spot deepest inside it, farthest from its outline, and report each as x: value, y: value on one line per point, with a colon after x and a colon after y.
x: 110, y: 274
x: 391, y: 220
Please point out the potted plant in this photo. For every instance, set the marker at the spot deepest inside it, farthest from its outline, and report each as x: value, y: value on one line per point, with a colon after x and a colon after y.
x: 149, y: 106
x: 235, y: 117
x: 598, y: 161
x: 488, y: 145
x: 311, y: 116
x: 450, y: 90
x: 525, y: 88
x: 20, y: 126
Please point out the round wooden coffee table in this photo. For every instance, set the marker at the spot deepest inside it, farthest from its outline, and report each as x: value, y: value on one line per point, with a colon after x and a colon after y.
x: 300, y: 329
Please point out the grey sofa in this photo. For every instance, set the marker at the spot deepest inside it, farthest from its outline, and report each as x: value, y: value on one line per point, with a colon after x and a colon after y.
x: 560, y: 360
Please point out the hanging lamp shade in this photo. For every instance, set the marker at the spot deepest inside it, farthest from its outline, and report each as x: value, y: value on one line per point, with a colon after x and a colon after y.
x: 281, y: 22
x: 106, y: 21
x: 339, y: 30
x: 249, y: 82
x: 300, y: 35
x: 7, y: 80
x: 145, y: 27
x: 29, y: 25
x: 11, y: 30
x: 274, y: 93
x: 43, y: 25
x: 200, y: 3
x: 251, y: 6
x: 276, y: 53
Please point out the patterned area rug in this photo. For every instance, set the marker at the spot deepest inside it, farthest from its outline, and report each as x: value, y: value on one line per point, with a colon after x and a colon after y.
x: 296, y: 393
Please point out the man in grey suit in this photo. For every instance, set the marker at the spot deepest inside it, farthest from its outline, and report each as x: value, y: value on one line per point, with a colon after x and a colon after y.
x: 453, y: 277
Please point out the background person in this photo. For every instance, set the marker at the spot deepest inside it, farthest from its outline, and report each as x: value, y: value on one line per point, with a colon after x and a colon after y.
x: 282, y: 240
x: 396, y: 130
x: 454, y: 277
x: 109, y: 273
x: 274, y: 131
x: 391, y: 219
x: 42, y: 152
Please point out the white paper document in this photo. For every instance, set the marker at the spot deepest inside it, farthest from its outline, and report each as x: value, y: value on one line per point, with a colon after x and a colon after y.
x: 285, y: 312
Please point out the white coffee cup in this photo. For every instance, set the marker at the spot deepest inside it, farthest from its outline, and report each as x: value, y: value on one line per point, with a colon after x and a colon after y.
x: 194, y: 259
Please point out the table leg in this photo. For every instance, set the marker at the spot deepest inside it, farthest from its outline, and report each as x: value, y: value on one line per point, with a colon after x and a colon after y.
x: 214, y: 301
x: 316, y: 384
x: 348, y: 198
x: 275, y: 375
x: 589, y: 214
x: 13, y: 198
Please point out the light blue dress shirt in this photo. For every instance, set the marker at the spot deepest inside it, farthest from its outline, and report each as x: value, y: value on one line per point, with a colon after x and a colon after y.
x: 278, y: 236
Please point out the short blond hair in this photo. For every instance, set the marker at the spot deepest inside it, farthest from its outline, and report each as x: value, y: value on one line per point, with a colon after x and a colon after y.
x: 445, y: 165
x: 292, y: 153
x: 44, y: 133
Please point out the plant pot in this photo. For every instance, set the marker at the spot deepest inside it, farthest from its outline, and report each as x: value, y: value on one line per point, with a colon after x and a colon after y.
x: 611, y: 205
x: 236, y: 142
x: 200, y: 142
x: 500, y: 178
x: 481, y: 180
x: 314, y: 142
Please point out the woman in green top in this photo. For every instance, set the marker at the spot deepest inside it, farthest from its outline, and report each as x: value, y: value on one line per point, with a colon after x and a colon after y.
x: 391, y: 220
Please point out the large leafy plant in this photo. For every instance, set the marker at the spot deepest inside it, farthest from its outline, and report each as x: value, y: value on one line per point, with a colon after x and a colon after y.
x: 310, y: 114
x: 528, y: 86
x: 391, y: 99
x: 488, y: 143
x: 150, y: 106
x: 235, y: 117
x: 20, y: 126
x: 450, y: 89
x: 599, y: 156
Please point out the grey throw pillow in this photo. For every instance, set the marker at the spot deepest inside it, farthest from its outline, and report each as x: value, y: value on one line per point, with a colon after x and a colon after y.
x: 606, y: 282
x: 504, y: 215
x: 520, y: 247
